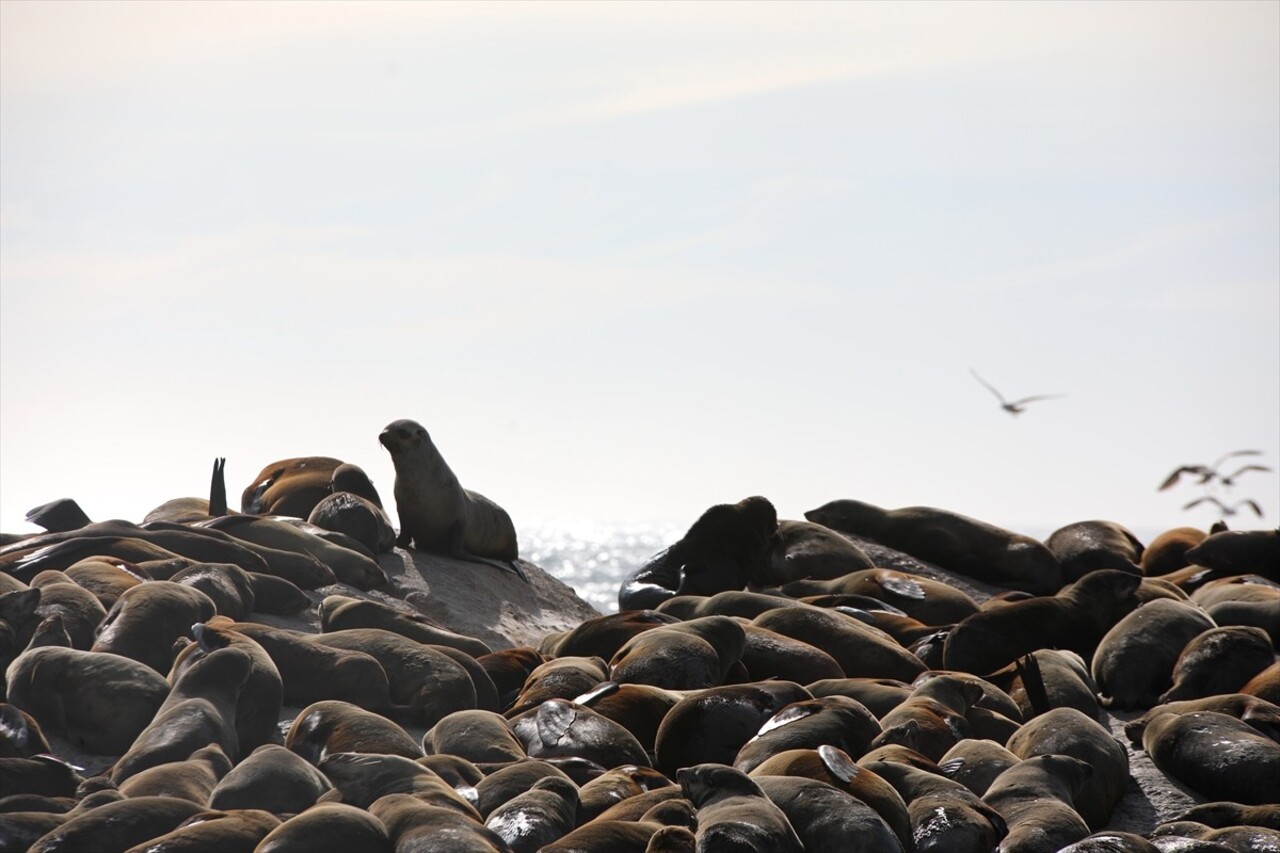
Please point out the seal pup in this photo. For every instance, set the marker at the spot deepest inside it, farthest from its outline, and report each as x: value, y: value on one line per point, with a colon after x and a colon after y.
x: 734, y: 813
x: 436, y: 513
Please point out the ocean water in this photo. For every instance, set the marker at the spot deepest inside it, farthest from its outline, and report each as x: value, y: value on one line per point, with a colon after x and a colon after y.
x: 593, y: 556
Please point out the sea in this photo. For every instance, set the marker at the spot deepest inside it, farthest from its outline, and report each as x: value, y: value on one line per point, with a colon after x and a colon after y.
x: 593, y: 556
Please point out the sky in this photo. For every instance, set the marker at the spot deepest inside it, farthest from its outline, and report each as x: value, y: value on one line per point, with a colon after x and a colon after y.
x: 629, y: 260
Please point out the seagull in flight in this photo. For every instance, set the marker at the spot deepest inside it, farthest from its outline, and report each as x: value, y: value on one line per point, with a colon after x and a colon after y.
x: 1227, y: 510
x: 1017, y: 406
x: 1206, y: 473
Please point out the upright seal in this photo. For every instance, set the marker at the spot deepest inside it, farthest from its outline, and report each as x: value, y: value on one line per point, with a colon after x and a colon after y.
x: 436, y: 513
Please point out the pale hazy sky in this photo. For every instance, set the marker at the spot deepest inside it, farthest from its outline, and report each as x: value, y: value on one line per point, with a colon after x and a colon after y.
x: 626, y: 261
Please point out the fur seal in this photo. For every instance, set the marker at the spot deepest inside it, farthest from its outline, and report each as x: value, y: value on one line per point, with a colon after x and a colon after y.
x: 711, y: 726
x: 340, y: 612
x: 347, y: 565
x: 615, y: 836
x: 1217, y: 756
x: 199, y: 710
x: 105, y: 579
x: 41, y: 775
x: 436, y: 513
x: 954, y: 542
x: 100, y: 702
x: 976, y: 763
x: 80, y: 611
x: 602, y: 636
x: 826, y: 818
x: 879, y: 695
x: 413, y: 824
x: 734, y: 813
x: 272, y: 778
x: 932, y: 719
x: 803, y: 549
x: 501, y: 785
x: 808, y: 724
x: 941, y: 815
x: 330, y: 726
x: 1066, y: 731
x: 1242, y: 600
x: 686, y: 656
x: 1134, y: 661
x: 929, y: 601
x: 290, y: 486
x: 357, y: 517
x: 1087, y: 546
x: 1034, y: 796
x: 360, y: 779
x: 148, y: 618
x: 1265, y: 685
x: 561, y: 729
x: 1240, y: 552
x: 20, y: 734
x: 508, y: 670
x: 861, y: 650
x: 328, y: 828
x: 119, y: 825
x: 193, y: 779
x: 768, y: 654
x: 724, y: 549
x: 1220, y: 660
x: 1048, y: 678
x: 534, y: 819
x: 559, y: 678
x: 478, y: 736
x: 214, y: 830
x: 623, y: 784
x: 58, y: 516
x: 1075, y: 619
x: 1168, y: 551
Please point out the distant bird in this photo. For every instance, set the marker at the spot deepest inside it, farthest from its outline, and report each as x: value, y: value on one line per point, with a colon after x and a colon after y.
x: 1227, y: 510
x: 1208, y: 473
x: 1017, y: 406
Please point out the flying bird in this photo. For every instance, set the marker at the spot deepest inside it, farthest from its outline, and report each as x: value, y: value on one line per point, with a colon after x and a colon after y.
x: 1017, y: 406
x: 1207, y: 473
x: 1227, y: 510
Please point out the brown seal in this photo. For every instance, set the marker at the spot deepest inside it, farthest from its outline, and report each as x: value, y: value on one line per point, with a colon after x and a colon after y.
x: 339, y: 612
x: 965, y: 545
x: 148, y: 618
x: 534, y: 819
x: 1034, y: 796
x: 330, y: 726
x: 214, y: 830
x: 726, y: 548
x: 193, y: 779
x: 808, y: 724
x: 416, y: 825
x: 479, y: 736
x: 929, y: 601
x: 1087, y: 546
x: 1168, y: 551
x: 1240, y: 552
x: 561, y: 729
x: 99, y: 702
x: 1265, y: 685
x: 734, y: 813
x: 826, y: 818
x: 1075, y: 619
x: 436, y: 513
x: 932, y: 719
x: 272, y: 778
x: 1066, y: 731
x: 768, y: 654
x: 346, y: 564
x: 602, y: 636
x: 712, y: 725
x: 976, y: 763
x: 199, y: 710
x: 685, y: 656
x: 861, y: 650
x: 803, y: 549
x: 328, y: 828
x: 290, y: 486
x: 1134, y: 662
x: 1221, y: 660
x: 939, y: 813
x: 118, y: 825
x: 1217, y: 756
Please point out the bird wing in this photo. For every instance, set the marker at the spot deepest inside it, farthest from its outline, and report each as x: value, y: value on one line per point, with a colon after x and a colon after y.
x: 988, y: 386
x: 1185, y: 469
x: 1244, y: 468
x: 1210, y: 499
x: 1233, y: 453
x: 1257, y: 510
x: 1037, y: 397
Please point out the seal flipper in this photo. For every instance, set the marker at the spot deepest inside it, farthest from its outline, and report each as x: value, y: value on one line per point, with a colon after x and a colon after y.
x: 1033, y: 683
x: 218, y: 488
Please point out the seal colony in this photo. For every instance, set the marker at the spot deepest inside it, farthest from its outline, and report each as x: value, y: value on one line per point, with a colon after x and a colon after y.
x: 865, y: 680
